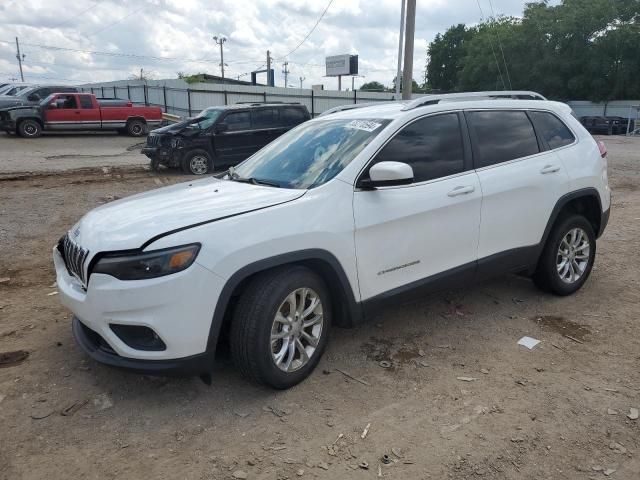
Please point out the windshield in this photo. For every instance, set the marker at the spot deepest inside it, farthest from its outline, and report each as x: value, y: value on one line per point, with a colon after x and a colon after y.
x: 12, y: 91
x: 311, y: 154
x: 206, y: 118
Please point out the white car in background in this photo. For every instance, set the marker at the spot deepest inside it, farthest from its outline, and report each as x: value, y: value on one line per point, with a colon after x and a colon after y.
x: 335, y: 218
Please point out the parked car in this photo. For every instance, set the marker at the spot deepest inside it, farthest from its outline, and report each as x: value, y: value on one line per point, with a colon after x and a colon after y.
x: 79, y: 111
x: 332, y: 220
x: 221, y: 135
x: 10, y: 89
x: 609, y: 125
x: 32, y: 95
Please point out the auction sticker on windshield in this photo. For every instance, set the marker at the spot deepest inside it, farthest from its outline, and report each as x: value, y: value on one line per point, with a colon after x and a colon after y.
x: 366, y: 125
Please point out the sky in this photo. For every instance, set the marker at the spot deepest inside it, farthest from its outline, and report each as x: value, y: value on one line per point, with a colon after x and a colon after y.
x: 164, y: 37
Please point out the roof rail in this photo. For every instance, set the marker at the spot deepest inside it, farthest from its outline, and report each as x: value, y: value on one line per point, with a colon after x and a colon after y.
x: 351, y: 106
x: 490, y: 95
x: 267, y: 103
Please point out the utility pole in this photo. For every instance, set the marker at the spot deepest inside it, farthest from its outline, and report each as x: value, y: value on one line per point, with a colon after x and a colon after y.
x: 400, y: 42
x: 407, y: 76
x: 302, y: 79
x: 269, y: 82
x: 20, y: 58
x: 286, y: 73
x: 220, y: 39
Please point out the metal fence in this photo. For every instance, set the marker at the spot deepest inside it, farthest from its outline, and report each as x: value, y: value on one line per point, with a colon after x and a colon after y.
x: 185, y: 100
x: 179, y: 98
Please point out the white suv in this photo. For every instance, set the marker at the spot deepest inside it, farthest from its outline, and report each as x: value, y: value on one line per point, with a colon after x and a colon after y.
x: 336, y: 217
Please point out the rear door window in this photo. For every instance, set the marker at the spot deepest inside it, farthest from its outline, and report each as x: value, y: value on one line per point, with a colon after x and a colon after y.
x: 432, y: 146
x: 238, y: 121
x: 552, y: 129
x: 264, y: 118
x: 290, y: 116
x: 500, y: 136
x: 85, y: 101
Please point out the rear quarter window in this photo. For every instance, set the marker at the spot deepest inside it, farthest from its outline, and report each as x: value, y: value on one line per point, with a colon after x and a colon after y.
x: 554, y: 132
x: 500, y: 136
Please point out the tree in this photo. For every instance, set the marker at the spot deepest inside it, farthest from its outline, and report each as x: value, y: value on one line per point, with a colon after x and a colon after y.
x: 577, y: 49
x: 445, y: 57
x: 373, y: 87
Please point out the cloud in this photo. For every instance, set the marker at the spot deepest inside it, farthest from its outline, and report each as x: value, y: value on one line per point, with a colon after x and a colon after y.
x: 179, y: 33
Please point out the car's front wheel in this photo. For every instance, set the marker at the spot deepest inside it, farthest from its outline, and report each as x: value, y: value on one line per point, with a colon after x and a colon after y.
x: 197, y: 162
x: 29, y: 128
x: 281, y: 326
x: 567, y: 257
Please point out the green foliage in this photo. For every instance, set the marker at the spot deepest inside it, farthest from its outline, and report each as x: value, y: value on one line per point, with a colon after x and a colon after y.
x: 579, y: 49
x: 373, y: 87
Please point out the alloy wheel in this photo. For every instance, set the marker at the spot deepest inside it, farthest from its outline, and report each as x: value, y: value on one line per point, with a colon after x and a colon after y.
x: 573, y: 255
x: 296, y: 329
x: 198, y: 165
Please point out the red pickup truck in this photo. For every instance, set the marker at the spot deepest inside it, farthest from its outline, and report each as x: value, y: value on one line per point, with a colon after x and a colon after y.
x: 79, y: 111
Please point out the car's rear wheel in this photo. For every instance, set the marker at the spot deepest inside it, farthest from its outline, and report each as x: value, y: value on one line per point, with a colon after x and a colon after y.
x: 197, y: 162
x: 567, y: 257
x: 29, y: 128
x: 136, y: 128
x: 281, y: 326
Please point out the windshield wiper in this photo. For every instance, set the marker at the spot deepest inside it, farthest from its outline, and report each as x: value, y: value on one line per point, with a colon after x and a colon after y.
x: 252, y: 180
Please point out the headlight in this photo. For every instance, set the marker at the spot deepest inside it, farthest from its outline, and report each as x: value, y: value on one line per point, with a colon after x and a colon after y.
x: 149, y: 264
x: 176, y: 143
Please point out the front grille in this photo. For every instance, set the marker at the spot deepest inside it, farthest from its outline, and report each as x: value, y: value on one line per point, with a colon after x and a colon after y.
x: 74, y: 258
x: 153, y: 140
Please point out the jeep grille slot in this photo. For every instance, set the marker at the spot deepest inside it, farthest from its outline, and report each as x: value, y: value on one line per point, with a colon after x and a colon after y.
x: 153, y: 140
x: 74, y: 258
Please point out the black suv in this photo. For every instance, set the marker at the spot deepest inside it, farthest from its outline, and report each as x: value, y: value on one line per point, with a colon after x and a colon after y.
x: 221, y: 135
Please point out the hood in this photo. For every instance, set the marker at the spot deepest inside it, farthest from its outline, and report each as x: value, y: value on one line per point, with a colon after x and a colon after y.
x: 7, y: 101
x: 128, y: 223
x: 176, y: 128
x: 19, y: 108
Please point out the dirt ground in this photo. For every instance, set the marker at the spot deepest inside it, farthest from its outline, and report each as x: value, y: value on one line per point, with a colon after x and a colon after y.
x: 460, y: 400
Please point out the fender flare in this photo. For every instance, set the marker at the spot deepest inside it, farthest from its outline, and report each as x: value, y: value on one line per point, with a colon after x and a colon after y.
x: 350, y: 310
x: 562, y: 202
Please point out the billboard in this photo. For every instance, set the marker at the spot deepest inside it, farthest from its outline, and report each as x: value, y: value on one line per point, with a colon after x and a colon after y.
x: 341, y: 65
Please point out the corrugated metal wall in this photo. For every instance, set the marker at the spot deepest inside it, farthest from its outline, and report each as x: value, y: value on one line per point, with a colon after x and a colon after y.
x: 181, y: 98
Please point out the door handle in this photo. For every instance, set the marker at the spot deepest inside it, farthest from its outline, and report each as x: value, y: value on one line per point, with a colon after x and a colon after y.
x: 461, y: 190
x: 549, y: 169
x: 77, y: 113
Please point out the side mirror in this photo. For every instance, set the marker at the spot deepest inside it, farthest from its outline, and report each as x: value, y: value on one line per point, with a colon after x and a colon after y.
x: 388, y: 174
x: 53, y: 104
x: 34, y: 97
x: 222, y: 127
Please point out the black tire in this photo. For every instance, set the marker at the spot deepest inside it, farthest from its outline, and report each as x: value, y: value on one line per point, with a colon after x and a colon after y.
x: 547, y: 277
x: 251, y: 328
x: 155, y: 164
x: 29, y: 128
x: 136, y: 128
x: 197, y: 162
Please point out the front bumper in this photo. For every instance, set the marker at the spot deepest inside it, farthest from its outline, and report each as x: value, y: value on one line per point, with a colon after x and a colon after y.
x: 164, y: 155
x: 8, y: 125
x: 178, y: 308
x: 99, y: 350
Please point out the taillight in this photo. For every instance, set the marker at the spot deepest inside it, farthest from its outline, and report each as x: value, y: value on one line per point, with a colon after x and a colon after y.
x: 602, y: 148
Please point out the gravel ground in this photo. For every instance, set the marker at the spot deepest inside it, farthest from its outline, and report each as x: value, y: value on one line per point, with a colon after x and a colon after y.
x: 64, y: 152
x: 461, y: 399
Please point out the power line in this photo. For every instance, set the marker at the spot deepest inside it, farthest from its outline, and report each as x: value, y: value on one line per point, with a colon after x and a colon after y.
x: 506, y: 67
x: 124, y: 55
x: 58, y: 25
x: 116, y: 22
x: 492, y: 49
x: 310, y: 31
